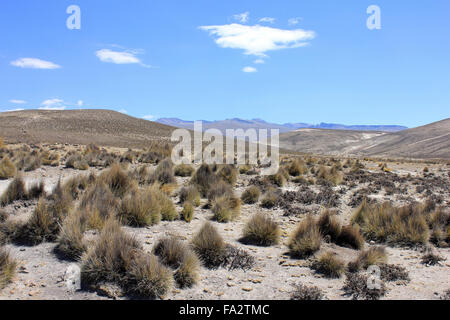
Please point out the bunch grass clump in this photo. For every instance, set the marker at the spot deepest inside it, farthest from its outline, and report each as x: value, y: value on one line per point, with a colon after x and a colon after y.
x: 139, y: 209
x: 184, y: 170
x: 188, y: 212
x: 405, y: 225
x: 329, y: 265
x: 261, y: 230
x: 226, y: 208
x: 204, y: 178
x: 178, y: 256
x: 297, y: 168
x: 71, y: 245
x: 7, y: 268
x: 306, y: 239
x: 7, y: 168
x: 209, y: 246
x: 190, y: 194
x: 251, y: 195
x: 373, y: 256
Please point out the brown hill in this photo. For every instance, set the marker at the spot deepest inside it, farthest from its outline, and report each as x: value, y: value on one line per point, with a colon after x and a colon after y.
x: 426, y: 142
x: 102, y: 127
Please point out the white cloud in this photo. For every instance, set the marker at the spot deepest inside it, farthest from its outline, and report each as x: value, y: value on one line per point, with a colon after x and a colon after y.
x: 257, y: 40
x: 34, y: 63
x: 123, y: 111
x: 148, y: 117
x: 80, y: 103
x: 120, y: 57
x: 52, y: 104
x: 242, y: 17
x: 294, y: 21
x: 259, y: 61
x: 15, y: 101
x: 267, y: 19
x: 249, y: 70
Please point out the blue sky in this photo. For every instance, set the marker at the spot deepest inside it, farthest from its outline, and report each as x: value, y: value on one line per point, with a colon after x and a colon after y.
x: 153, y: 59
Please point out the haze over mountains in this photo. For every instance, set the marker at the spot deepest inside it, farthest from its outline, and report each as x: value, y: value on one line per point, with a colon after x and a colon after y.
x: 237, y: 123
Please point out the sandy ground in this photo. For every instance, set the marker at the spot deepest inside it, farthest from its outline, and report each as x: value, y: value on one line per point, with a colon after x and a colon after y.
x: 41, y: 275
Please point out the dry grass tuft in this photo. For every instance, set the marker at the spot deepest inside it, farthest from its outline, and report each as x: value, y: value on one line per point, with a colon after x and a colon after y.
x: 7, y: 168
x: 184, y: 170
x: 261, y: 230
x: 251, y: 195
x: 70, y: 240
x: 226, y: 208
x: 405, y: 225
x: 329, y: 265
x: 270, y: 198
x: 176, y: 255
x: 16, y: 191
x: 351, y: 237
x: 297, y: 168
x: 306, y: 239
x: 228, y: 173
x: 203, y: 179
x: 140, y: 209
x: 329, y: 225
x: 190, y: 194
x: 372, y: 256
x: 188, y: 212
x: 209, y: 246
x: 7, y: 268
x: 117, y: 180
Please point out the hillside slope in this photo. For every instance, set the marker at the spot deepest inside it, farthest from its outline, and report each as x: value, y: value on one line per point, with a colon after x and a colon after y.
x: 102, y: 127
x: 426, y: 142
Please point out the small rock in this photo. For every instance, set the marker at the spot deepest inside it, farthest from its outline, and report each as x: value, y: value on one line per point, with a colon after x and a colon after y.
x: 247, y: 289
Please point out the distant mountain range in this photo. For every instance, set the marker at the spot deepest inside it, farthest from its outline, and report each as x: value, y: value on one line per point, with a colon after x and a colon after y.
x: 237, y: 123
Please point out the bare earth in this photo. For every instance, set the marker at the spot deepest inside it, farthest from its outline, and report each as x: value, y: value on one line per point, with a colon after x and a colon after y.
x: 41, y: 274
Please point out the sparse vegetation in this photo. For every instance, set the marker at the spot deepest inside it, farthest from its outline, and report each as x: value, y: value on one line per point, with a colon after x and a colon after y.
x: 188, y: 212
x: 261, y: 230
x: 70, y: 240
x: 203, y: 179
x: 190, y: 194
x: 139, y: 209
x: 356, y: 286
x: 226, y: 208
x: 209, y: 246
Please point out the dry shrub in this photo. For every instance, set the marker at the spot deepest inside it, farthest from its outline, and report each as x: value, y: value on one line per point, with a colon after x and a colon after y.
x: 372, y: 256
x: 432, y: 259
x: 270, y: 198
x: 306, y: 239
x: 28, y: 162
x: 70, y: 240
x: 385, y: 223
x: 350, y: 236
x: 190, y: 194
x: 7, y: 168
x: 219, y: 189
x: 139, y: 209
x: 164, y: 172
x: 188, y: 212
x: 50, y: 159
x: 332, y: 175
x: 391, y: 272
x: 329, y: 265
x: 184, y: 170
x: 329, y: 225
x: 261, y: 230
x: 36, y: 190
x: 117, y: 180
x: 203, y: 179
x: 176, y: 255
x: 251, y: 195
x: 142, y: 175
x: 297, y: 168
x: 77, y: 184
x: 7, y: 268
x: 355, y: 285
x: 228, y: 173
x: 226, y: 208
x: 439, y: 223
x: 305, y: 293
x: 209, y: 246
